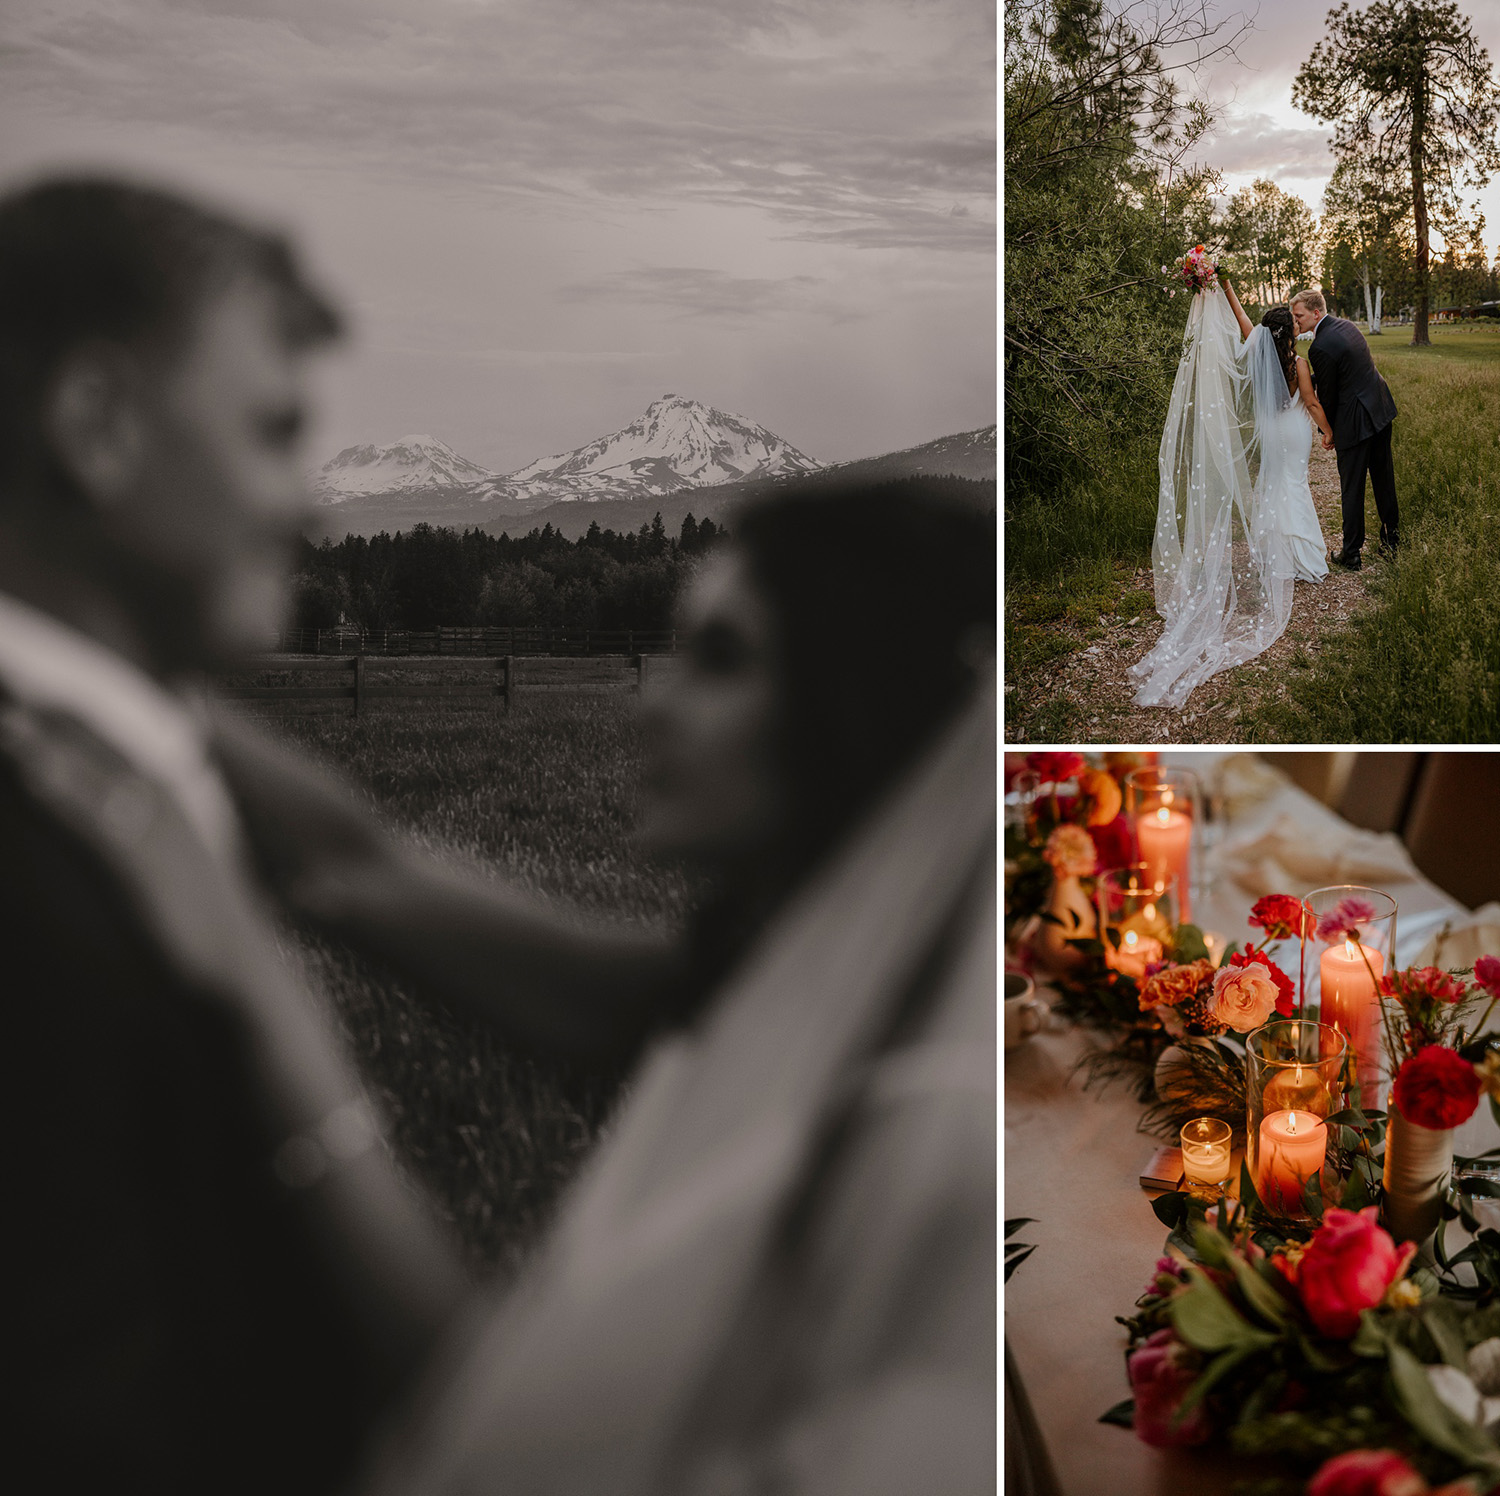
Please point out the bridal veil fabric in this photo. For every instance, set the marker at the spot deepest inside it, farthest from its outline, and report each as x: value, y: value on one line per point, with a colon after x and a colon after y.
x: 778, y: 1271
x: 1222, y: 559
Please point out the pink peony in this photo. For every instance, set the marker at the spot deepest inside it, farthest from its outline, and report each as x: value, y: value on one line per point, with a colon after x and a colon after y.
x: 1487, y: 974
x: 1070, y: 851
x: 1346, y: 1268
x: 1161, y: 1371
x: 1244, y: 996
x: 1436, y: 1088
x: 1367, y: 1472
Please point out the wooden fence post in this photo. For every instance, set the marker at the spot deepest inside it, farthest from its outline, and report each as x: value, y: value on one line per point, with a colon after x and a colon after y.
x: 358, y: 662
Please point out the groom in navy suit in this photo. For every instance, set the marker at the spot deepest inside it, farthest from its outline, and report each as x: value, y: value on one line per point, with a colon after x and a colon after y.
x: 1360, y: 410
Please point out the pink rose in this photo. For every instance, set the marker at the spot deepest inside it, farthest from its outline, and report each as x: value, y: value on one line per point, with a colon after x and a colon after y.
x: 1346, y: 1268
x: 1487, y: 974
x: 1367, y: 1472
x: 1161, y: 1371
x: 1244, y: 996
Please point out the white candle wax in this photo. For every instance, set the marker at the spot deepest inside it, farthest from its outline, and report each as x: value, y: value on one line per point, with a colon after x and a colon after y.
x: 1165, y: 837
x: 1293, y: 1145
x: 1206, y: 1150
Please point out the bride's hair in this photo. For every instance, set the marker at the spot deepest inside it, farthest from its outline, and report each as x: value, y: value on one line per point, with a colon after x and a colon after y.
x: 1278, y: 322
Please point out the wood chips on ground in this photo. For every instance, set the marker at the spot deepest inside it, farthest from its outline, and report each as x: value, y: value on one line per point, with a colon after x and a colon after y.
x: 1096, y: 691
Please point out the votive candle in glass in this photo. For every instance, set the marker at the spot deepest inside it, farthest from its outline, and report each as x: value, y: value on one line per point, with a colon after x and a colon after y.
x: 1161, y: 809
x: 1206, y: 1150
x: 1136, y: 918
x: 1293, y: 1145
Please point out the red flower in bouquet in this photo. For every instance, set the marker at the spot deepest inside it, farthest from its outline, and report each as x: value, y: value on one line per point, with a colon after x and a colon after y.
x: 1286, y: 992
x: 1437, y: 1088
x: 1112, y: 843
x: 1161, y: 1371
x: 1419, y: 983
x: 1487, y: 974
x: 1054, y: 768
x: 1279, y: 915
x: 1174, y: 985
x: 1367, y: 1472
x: 1346, y: 1268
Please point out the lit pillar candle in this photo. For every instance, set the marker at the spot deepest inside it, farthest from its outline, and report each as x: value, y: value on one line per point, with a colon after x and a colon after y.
x: 1295, y: 1089
x: 1165, y: 836
x: 1135, y: 954
x: 1351, y: 1004
x: 1292, y: 1148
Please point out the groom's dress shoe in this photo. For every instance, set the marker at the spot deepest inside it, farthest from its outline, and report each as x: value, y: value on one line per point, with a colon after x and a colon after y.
x: 1347, y: 560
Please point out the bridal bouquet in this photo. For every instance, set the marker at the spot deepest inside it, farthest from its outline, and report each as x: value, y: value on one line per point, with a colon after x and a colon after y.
x: 1198, y: 271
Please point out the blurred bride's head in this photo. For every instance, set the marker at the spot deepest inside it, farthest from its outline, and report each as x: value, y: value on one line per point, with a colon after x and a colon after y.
x: 822, y: 650
x: 1278, y: 322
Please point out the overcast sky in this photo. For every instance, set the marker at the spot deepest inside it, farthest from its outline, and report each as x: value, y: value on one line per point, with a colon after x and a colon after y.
x: 1260, y: 134
x: 542, y: 214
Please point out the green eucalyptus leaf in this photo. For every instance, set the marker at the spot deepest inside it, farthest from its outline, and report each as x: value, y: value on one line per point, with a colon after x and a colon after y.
x: 1015, y: 1223
x: 1188, y: 944
x: 1122, y: 1415
x: 1172, y: 1209
x: 1214, y: 1372
x: 1370, y: 1338
x: 1431, y: 1417
x: 1208, y: 1321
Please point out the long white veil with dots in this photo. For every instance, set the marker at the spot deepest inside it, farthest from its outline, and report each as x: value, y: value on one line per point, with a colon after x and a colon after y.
x: 1223, y: 567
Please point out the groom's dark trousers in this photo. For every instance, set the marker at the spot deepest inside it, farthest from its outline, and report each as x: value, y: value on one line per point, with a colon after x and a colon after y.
x: 1360, y: 410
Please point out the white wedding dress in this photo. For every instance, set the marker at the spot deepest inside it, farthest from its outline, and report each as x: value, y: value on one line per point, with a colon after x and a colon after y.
x: 1235, y: 524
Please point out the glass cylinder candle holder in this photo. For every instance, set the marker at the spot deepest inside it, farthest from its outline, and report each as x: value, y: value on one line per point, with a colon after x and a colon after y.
x: 1349, y: 943
x: 1137, y: 918
x: 1162, y: 809
x: 1206, y: 1150
x: 1294, y: 1078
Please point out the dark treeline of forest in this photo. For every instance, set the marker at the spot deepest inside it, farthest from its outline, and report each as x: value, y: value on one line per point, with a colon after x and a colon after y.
x: 430, y: 577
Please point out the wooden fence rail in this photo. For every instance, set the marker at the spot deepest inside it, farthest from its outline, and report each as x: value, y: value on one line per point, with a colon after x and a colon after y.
x: 489, y: 642
x: 507, y: 681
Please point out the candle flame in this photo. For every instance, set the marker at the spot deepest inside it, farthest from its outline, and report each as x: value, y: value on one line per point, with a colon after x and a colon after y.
x: 1348, y: 949
x: 1166, y: 799
x: 1297, y: 1075
x: 1291, y: 1123
x: 1130, y: 937
x: 1163, y: 815
x: 1150, y: 911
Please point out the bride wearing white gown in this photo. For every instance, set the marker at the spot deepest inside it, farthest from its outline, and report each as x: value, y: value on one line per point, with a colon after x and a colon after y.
x: 1235, y: 523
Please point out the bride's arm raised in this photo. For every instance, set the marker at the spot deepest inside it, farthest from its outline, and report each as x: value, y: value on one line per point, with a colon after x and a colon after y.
x: 1234, y: 304
x: 1310, y: 402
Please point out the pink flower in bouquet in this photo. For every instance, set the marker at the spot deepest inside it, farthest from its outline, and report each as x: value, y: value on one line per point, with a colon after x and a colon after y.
x: 1161, y: 1371
x: 1244, y: 996
x: 1344, y: 919
x: 1279, y: 915
x: 1286, y: 993
x: 1487, y: 974
x: 1173, y: 985
x: 1419, y: 983
x: 1112, y: 844
x: 1367, y: 1472
x: 1346, y: 1268
x: 1437, y: 1088
x: 1054, y: 768
x: 1070, y: 851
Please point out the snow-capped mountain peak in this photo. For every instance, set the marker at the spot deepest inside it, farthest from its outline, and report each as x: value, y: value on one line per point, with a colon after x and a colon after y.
x: 411, y: 465
x: 677, y: 443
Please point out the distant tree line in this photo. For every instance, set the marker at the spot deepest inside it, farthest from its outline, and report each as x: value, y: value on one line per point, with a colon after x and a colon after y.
x: 430, y: 577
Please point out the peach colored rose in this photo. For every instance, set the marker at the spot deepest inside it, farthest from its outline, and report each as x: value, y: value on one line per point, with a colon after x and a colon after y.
x: 1244, y: 996
x: 1175, y: 984
x: 1346, y: 1268
x: 1101, y: 790
x: 1070, y: 851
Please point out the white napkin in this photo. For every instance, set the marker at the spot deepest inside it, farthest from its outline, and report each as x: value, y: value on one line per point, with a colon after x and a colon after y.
x: 1293, y: 857
x: 1463, y: 940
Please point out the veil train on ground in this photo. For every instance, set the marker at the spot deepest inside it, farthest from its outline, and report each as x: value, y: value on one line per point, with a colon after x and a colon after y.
x: 1222, y: 565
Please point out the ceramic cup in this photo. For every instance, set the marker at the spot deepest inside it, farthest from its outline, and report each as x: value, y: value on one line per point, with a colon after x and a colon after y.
x: 1025, y: 1012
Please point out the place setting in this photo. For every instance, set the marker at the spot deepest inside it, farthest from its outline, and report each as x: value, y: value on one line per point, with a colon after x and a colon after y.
x: 1252, y: 1141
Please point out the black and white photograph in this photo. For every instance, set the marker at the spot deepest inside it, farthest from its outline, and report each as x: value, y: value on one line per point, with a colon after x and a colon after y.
x: 498, y: 745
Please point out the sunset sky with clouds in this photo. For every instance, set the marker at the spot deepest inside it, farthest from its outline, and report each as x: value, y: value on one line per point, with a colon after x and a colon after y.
x: 542, y: 214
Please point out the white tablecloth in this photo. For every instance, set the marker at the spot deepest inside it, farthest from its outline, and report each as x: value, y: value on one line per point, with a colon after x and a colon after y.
x: 1073, y: 1159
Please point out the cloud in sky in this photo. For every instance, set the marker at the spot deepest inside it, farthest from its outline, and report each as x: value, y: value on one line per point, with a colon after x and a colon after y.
x: 559, y: 144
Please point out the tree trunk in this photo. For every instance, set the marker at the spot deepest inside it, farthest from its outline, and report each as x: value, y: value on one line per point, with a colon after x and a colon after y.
x: 1419, y: 202
x: 1364, y: 280
x: 1375, y: 326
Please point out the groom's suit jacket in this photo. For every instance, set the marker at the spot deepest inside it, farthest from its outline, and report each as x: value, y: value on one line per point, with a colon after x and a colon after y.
x: 174, y: 1326
x: 1354, y: 397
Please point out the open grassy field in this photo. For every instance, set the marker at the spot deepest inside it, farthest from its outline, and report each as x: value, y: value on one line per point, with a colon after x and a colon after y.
x: 1418, y: 657
x: 544, y: 795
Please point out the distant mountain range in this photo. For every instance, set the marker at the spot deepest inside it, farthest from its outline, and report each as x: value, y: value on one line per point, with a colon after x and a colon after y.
x: 679, y: 457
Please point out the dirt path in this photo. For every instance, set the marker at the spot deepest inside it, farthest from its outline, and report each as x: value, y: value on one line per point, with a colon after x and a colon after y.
x: 1085, y: 697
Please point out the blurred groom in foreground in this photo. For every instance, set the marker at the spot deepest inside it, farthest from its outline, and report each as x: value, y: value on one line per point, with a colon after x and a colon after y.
x: 222, y: 1282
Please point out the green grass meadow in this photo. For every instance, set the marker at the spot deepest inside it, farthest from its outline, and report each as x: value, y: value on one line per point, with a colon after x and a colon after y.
x: 1422, y: 663
x: 544, y: 796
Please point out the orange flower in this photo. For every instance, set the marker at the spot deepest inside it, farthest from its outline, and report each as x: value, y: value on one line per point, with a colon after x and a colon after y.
x: 1175, y: 984
x: 1102, y: 793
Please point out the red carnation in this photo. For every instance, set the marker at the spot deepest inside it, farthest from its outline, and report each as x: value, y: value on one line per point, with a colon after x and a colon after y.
x: 1436, y: 1088
x: 1113, y: 844
x: 1054, y: 768
x: 1279, y: 915
x: 1286, y: 993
